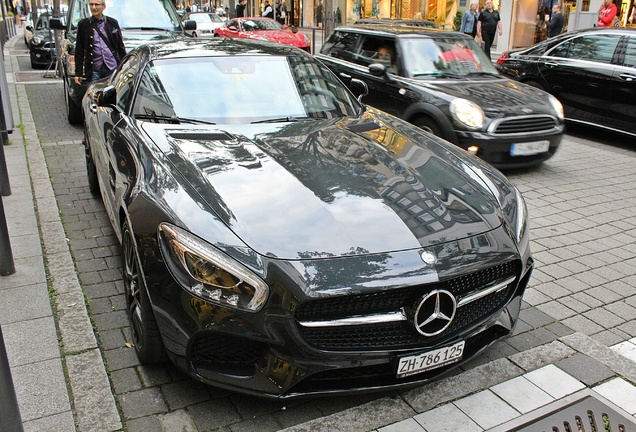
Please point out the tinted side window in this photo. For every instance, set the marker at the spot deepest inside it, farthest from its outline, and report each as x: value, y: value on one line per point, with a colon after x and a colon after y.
x: 341, y: 44
x: 630, y: 52
x: 599, y: 48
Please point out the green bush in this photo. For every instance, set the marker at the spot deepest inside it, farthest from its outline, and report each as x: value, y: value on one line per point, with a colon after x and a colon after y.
x: 457, y: 21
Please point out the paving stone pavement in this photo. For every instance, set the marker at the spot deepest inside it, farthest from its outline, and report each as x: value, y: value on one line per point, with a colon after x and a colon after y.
x: 581, y: 301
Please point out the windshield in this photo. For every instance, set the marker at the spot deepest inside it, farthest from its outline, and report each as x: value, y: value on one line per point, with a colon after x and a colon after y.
x: 261, y: 24
x: 444, y: 57
x: 242, y: 89
x: 205, y: 17
x: 152, y: 14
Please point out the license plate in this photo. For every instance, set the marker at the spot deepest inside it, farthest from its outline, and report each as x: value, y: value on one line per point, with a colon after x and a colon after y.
x: 430, y: 360
x: 529, y: 148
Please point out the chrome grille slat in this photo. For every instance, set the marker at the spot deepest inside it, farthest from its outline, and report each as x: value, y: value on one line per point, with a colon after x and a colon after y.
x: 522, y: 125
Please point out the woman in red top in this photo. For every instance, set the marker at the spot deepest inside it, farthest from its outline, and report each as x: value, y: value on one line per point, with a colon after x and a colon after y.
x: 606, y: 14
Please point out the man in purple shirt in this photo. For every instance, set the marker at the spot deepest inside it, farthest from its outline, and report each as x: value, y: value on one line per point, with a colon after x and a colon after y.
x: 99, y: 47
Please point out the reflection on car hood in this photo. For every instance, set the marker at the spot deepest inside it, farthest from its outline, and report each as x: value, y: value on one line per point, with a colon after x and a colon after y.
x: 332, y: 187
x: 494, y: 95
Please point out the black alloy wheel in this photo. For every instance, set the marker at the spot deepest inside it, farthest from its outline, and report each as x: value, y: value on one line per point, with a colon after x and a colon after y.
x: 145, y: 332
x: 429, y: 125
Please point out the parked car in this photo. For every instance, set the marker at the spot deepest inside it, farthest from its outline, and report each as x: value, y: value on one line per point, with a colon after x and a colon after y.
x: 207, y: 22
x: 397, y: 22
x: 263, y: 29
x: 442, y: 82
x: 141, y: 21
x: 41, y: 43
x: 284, y: 239
x: 592, y: 72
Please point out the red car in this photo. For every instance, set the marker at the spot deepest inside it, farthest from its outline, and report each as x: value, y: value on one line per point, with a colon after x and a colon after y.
x: 263, y: 29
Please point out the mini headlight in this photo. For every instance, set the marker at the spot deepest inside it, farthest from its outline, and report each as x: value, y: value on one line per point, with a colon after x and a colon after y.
x: 557, y: 107
x: 467, y: 113
x: 208, y: 273
x: 37, y: 40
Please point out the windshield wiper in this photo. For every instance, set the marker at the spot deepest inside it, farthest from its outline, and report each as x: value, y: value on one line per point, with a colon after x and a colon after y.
x: 173, y: 119
x: 283, y: 119
x: 148, y: 28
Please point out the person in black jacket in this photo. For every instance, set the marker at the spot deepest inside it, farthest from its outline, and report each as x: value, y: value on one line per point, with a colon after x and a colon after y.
x: 99, y: 47
x: 240, y: 9
x: 555, y: 25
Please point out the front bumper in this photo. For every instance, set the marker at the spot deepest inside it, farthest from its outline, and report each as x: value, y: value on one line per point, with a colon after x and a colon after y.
x: 274, y: 353
x: 496, y: 148
x: 42, y: 56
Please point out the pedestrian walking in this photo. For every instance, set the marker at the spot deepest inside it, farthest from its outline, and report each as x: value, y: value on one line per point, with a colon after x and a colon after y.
x: 99, y: 47
x: 268, y: 12
x: 606, y: 14
x: 488, y: 23
x: 469, y: 20
x: 556, y: 21
x: 240, y: 9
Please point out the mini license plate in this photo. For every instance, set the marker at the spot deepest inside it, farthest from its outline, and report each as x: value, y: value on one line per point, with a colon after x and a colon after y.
x: 430, y: 360
x: 529, y: 148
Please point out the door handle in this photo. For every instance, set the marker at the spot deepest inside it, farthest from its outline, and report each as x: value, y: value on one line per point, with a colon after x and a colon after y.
x: 345, y: 76
x: 551, y: 64
x: 93, y: 108
x: 628, y: 77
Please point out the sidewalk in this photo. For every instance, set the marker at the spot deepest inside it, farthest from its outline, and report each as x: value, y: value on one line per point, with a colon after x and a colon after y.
x: 62, y: 383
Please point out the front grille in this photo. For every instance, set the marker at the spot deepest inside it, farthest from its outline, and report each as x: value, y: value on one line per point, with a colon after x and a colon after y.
x: 402, y: 334
x: 520, y: 125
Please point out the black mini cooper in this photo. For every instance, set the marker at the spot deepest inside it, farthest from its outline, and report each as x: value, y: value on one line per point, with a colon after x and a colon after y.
x: 442, y: 82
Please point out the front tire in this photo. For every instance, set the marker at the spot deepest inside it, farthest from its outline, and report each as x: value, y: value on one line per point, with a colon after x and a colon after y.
x: 429, y: 125
x: 91, y: 171
x: 73, y: 112
x: 145, y: 332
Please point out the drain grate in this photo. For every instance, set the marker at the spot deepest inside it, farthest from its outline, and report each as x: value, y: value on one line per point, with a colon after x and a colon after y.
x: 584, y: 415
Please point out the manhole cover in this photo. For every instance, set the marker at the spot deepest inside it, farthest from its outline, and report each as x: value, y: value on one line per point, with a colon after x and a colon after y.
x: 584, y: 415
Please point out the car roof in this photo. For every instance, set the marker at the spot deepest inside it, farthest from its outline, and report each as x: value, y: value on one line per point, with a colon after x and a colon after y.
x: 218, y: 47
x: 399, y: 31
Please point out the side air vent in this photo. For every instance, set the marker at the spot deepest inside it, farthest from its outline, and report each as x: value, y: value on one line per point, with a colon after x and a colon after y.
x: 207, y: 136
x: 363, y: 127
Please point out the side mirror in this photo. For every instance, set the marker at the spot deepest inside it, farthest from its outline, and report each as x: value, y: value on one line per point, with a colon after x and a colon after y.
x: 377, y: 69
x: 359, y: 88
x: 107, y: 96
x: 57, y: 24
x: 29, y: 28
x: 232, y: 28
x: 189, y: 25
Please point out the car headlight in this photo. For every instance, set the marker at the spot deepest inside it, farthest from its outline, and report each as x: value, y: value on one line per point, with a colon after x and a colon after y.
x: 519, y: 221
x: 208, y: 273
x: 37, y: 40
x: 557, y: 107
x: 467, y: 113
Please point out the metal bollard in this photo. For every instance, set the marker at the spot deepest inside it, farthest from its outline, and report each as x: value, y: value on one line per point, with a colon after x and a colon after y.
x: 7, y: 266
x: 10, y: 419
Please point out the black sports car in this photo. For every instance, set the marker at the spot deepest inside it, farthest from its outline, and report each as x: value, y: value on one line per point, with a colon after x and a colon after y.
x: 592, y: 72
x: 442, y: 82
x: 42, y: 43
x: 280, y: 238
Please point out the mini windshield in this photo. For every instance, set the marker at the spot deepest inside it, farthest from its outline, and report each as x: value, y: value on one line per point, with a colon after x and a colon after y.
x: 450, y: 57
x: 43, y: 22
x: 242, y: 89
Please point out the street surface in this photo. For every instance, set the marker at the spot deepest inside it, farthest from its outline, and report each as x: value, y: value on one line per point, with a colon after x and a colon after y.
x: 583, y: 227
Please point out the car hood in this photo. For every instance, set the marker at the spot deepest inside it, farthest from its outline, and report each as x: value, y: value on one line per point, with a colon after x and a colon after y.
x: 332, y: 187
x: 497, y: 96
x: 45, y: 34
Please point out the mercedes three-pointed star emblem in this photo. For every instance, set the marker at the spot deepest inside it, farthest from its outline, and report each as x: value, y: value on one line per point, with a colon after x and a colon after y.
x: 435, y: 312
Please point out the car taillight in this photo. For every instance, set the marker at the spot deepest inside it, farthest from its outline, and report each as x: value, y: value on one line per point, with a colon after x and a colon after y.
x: 503, y: 58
